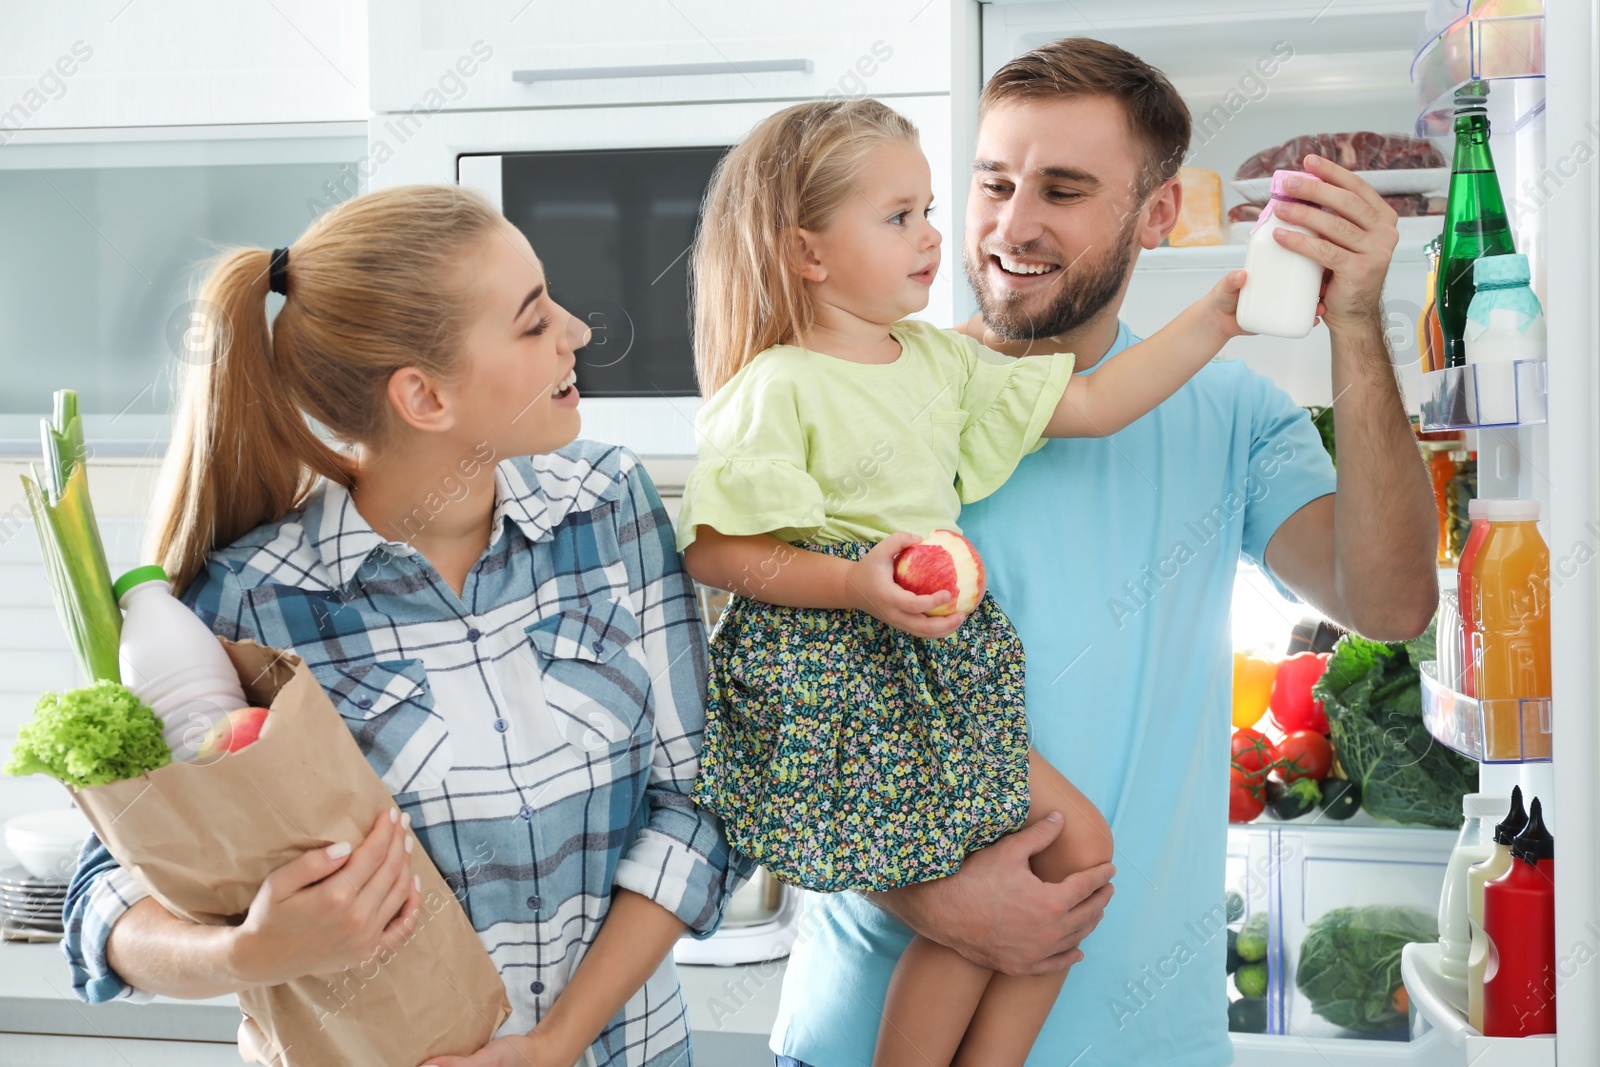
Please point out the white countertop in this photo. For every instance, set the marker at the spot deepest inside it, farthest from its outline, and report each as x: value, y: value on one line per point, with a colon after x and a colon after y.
x: 731, y: 1009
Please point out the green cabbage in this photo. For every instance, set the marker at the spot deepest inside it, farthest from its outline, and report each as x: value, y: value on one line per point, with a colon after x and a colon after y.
x: 1372, y: 693
x: 1350, y: 964
x: 91, y: 736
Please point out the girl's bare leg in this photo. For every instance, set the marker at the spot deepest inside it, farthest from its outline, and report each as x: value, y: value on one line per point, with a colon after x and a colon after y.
x: 1013, y: 1008
x: 942, y: 1008
x: 932, y: 995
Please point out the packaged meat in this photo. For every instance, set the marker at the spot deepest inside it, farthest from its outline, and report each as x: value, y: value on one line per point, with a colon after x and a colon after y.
x: 1407, y: 207
x: 1359, y: 150
x: 1200, y: 214
x: 1415, y: 205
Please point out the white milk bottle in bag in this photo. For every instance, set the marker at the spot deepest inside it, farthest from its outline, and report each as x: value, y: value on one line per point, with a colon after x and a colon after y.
x: 1281, y: 288
x: 172, y: 661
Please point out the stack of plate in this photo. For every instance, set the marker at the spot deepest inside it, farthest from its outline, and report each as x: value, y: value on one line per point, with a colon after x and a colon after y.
x: 30, y: 907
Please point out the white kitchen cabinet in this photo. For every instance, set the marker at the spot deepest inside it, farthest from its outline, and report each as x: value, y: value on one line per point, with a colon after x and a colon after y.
x: 181, y: 62
x: 482, y: 54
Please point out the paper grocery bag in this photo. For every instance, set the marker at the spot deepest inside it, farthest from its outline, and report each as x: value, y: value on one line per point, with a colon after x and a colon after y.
x: 204, y: 836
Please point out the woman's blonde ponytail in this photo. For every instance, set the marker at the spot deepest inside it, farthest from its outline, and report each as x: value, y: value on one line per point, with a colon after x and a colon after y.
x: 374, y: 285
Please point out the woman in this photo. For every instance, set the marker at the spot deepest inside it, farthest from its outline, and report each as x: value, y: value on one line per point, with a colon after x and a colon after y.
x: 496, y: 610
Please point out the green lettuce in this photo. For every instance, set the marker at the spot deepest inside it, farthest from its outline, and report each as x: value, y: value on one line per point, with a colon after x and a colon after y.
x: 1372, y: 693
x: 1350, y: 964
x: 91, y: 736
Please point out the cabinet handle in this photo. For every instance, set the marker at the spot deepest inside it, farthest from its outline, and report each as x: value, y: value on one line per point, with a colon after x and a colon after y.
x: 659, y: 70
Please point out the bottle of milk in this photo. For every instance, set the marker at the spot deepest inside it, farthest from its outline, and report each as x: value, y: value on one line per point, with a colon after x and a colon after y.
x: 1504, y: 324
x: 1281, y: 287
x: 172, y: 661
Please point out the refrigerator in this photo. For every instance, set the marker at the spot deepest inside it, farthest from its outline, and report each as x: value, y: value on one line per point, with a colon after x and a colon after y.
x: 1391, y: 67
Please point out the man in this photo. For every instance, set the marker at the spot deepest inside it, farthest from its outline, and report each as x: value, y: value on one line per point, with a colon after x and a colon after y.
x: 1115, y: 558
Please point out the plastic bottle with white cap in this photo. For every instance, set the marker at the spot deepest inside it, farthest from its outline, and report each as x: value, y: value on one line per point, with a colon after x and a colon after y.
x: 1281, y: 287
x: 172, y: 661
x: 1511, y: 631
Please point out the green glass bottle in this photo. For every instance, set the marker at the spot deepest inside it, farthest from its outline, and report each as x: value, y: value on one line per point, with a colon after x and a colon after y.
x: 1474, y: 222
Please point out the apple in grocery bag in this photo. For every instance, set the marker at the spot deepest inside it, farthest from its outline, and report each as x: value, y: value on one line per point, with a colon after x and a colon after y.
x: 235, y: 730
x: 943, y: 560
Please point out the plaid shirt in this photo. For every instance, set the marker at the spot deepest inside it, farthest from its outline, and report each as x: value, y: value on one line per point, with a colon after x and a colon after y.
x: 542, y: 729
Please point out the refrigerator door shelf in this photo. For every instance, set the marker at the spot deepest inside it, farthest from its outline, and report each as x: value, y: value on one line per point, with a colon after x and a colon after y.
x: 1511, y: 395
x: 1262, y: 1050
x: 1419, y: 969
x: 1495, y: 39
x: 1489, y: 731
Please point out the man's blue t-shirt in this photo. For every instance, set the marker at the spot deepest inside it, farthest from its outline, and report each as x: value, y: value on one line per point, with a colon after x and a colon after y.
x: 1115, y: 558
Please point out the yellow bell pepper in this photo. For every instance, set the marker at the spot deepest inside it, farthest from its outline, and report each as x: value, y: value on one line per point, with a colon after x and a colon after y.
x: 1252, y: 688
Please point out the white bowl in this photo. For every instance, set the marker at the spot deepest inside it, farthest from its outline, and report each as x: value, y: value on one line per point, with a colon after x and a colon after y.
x: 47, y: 843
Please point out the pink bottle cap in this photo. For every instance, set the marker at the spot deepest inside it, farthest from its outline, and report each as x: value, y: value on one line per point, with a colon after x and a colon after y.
x: 1281, y: 194
x: 1280, y: 182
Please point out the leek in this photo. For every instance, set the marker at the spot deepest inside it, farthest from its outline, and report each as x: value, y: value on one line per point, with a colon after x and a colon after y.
x: 74, y: 558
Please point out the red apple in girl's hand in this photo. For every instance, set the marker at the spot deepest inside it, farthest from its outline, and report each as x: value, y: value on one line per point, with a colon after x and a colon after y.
x: 943, y: 560
x: 240, y: 727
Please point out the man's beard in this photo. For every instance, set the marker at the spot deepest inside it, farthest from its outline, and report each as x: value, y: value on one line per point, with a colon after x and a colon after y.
x: 1085, y: 289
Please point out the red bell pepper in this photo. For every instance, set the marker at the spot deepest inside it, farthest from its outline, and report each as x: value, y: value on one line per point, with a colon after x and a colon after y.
x: 1293, y: 708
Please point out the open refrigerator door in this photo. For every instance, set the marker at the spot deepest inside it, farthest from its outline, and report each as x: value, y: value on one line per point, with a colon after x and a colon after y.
x: 1394, y: 67
x: 1540, y: 68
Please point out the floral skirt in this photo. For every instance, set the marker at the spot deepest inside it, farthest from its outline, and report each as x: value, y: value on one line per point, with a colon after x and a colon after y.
x: 841, y: 753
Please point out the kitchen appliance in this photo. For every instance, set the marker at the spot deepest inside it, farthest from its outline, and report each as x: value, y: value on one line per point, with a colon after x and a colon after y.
x: 612, y: 229
x: 762, y: 923
x: 608, y: 197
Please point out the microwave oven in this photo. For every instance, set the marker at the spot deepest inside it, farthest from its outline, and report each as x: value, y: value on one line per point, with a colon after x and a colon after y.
x: 609, y: 197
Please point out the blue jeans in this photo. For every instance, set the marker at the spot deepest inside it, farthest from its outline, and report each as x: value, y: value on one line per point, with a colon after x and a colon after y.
x: 789, y: 1061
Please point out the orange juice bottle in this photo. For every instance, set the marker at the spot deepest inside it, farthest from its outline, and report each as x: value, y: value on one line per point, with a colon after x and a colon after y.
x: 1511, y: 628
x: 1469, y: 555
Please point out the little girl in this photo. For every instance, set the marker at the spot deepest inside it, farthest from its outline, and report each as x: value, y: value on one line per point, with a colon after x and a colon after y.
x: 852, y: 740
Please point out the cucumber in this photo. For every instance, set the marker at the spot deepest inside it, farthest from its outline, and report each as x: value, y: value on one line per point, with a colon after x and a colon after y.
x: 1251, y: 980
x: 1248, y: 1016
x: 1341, y: 798
x: 1252, y: 941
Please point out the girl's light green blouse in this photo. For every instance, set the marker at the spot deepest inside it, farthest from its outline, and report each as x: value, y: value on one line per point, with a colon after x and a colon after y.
x: 810, y: 447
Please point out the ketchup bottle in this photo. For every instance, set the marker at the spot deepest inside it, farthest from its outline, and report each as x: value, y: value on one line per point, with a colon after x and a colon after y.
x: 1519, y: 917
